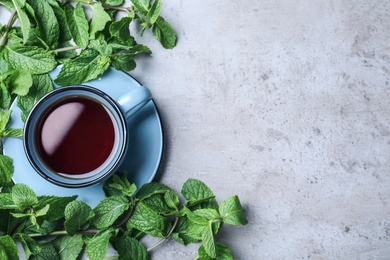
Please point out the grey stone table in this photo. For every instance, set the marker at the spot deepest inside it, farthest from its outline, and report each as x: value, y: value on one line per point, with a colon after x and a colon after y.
x: 287, y: 105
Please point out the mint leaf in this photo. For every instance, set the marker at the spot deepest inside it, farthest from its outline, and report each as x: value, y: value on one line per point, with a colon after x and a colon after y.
x: 130, y: 248
x: 171, y: 199
x: 78, y: 24
x: 99, y: 20
x: 23, y: 196
x: 223, y: 253
x: 42, y: 85
x: 97, y: 246
x: 57, y: 206
x: 120, y: 32
x: 47, y: 252
x: 6, y: 169
x: 19, y: 82
x: 25, y: 24
x: 164, y: 33
x: 78, y: 216
x: 150, y: 189
x: 87, y: 66
x: 5, y: 96
x: 6, y: 201
x: 142, y: 6
x: 147, y: 220
x: 5, y: 117
x: 208, y: 241
x: 114, y: 2
x: 13, y: 132
x: 158, y: 204
x: 8, y: 249
x: 68, y: 247
x: 232, y: 212
x: 64, y: 31
x: 30, y: 246
x: 48, y: 27
x: 108, y: 211
x: 154, y: 11
x: 181, y: 232
x: 30, y: 58
x: 197, y: 193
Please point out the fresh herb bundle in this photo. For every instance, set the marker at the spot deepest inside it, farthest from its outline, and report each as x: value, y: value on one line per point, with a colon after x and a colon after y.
x: 121, y: 219
x: 39, y: 36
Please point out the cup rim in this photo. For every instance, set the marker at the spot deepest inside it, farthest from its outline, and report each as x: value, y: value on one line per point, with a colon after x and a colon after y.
x: 79, y: 182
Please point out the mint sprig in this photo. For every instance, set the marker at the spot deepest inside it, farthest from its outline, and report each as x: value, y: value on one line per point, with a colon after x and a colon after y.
x: 121, y: 219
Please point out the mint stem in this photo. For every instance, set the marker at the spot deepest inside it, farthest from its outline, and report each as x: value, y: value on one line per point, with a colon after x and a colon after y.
x: 55, y: 233
x: 11, y: 21
x: 65, y: 49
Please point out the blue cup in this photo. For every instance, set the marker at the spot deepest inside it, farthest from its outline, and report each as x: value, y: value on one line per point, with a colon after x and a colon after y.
x: 77, y: 136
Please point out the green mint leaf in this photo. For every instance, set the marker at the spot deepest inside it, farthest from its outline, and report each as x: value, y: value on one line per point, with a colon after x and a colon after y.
x: 78, y: 216
x: 154, y: 11
x: 158, y: 204
x: 48, y: 252
x: 171, y: 199
x: 30, y: 246
x: 181, y: 232
x: 48, y: 26
x: 13, y: 132
x: 43, y: 211
x: 120, y: 185
x: 68, y: 247
x: 57, y: 206
x: 42, y: 85
x: 5, y: 117
x: 142, y: 6
x: 123, y: 61
x: 164, y: 33
x: 99, y: 20
x: 147, y: 220
x: 87, y: 66
x: 232, y: 212
x: 19, y: 82
x: 24, y: 21
x: 150, y: 189
x: 97, y: 246
x: 23, y: 196
x: 30, y: 58
x: 6, y: 201
x: 208, y: 241
x: 108, y: 211
x: 197, y: 193
x: 120, y: 31
x: 130, y: 248
x: 5, y: 96
x: 78, y: 24
x: 44, y: 228
x: 223, y: 253
x: 6, y: 170
x: 8, y: 249
x: 64, y: 31
x: 114, y: 2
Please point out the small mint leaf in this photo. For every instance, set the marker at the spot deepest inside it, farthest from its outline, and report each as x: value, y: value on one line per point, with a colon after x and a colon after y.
x: 23, y: 196
x: 6, y: 170
x: 97, y: 246
x: 77, y: 216
x: 130, y: 248
x: 99, y: 19
x: 232, y: 212
x: 78, y: 24
x: 8, y: 249
x: 223, y: 253
x: 164, y: 33
x: 108, y: 211
x: 69, y: 247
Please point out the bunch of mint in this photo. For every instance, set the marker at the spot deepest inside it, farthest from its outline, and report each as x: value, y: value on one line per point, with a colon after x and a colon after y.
x: 42, y: 34
x: 122, y: 219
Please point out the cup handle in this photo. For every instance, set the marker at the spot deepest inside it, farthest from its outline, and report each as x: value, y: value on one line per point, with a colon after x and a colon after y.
x: 134, y: 100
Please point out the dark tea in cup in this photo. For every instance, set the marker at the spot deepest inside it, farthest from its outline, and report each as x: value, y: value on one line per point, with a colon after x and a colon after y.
x: 76, y: 136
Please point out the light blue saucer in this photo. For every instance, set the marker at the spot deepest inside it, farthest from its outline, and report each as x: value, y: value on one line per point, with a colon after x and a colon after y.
x: 143, y: 157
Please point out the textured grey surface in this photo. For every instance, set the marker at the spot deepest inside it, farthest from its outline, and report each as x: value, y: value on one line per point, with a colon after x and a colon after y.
x: 286, y: 104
